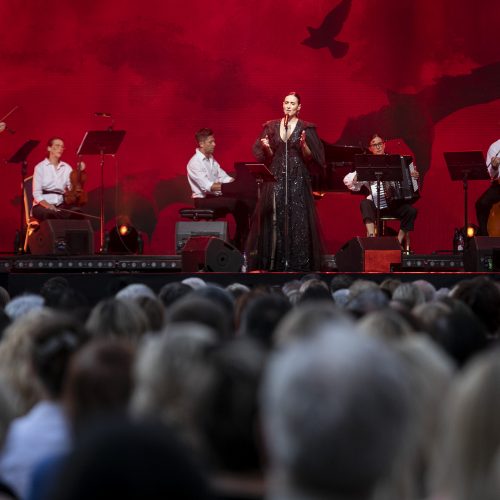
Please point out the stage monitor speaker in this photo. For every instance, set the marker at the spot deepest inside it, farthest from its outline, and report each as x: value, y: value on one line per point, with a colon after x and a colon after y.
x: 62, y: 237
x: 208, y: 253
x: 482, y: 254
x: 371, y: 255
x: 185, y: 230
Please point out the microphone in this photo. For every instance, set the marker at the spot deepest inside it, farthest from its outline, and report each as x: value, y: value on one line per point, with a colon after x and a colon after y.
x: 104, y: 115
x: 287, y: 117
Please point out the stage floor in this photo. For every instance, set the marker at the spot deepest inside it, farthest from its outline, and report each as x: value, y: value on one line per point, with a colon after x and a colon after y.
x: 98, y: 276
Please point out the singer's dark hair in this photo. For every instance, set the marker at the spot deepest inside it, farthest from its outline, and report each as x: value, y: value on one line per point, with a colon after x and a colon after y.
x: 296, y: 94
x: 203, y: 134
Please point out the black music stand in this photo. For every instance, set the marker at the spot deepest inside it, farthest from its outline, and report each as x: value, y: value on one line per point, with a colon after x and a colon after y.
x: 261, y: 174
x: 378, y: 168
x: 466, y: 166
x: 339, y: 162
x: 21, y: 156
x: 101, y: 142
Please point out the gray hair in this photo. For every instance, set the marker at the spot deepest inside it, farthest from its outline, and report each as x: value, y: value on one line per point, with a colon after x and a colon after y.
x: 20, y: 305
x: 335, y: 412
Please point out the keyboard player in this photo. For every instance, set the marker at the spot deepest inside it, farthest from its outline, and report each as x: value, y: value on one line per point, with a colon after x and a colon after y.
x: 402, y: 210
x: 206, y: 178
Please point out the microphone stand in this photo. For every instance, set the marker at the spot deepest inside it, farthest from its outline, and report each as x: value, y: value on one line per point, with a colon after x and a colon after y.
x: 287, y: 221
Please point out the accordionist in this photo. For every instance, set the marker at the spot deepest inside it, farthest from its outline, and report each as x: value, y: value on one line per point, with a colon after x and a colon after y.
x: 400, y: 208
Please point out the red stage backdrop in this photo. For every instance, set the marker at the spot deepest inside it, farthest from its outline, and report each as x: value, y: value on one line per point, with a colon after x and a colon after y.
x: 425, y: 75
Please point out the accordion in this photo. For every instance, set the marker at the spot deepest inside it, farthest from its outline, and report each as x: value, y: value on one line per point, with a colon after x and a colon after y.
x: 406, y: 189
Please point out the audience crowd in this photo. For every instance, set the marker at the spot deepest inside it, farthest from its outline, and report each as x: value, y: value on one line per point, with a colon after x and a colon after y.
x: 347, y: 390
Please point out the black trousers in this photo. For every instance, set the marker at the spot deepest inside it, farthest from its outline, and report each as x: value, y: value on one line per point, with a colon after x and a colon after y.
x: 484, y: 204
x: 405, y: 212
x: 223, y: 205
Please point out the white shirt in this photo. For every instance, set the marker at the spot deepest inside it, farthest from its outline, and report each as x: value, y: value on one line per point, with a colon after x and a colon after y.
x: 492, y: 152
x: 41, y: 433
x: 203, y: 172
x: 372, y: 186
x: 47, y: 177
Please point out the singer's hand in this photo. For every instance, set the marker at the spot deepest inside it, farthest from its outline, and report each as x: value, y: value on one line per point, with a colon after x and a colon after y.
x: 265, y: 142
x: 415, y: 174
x: 303, y: 139
x: 3, y: 126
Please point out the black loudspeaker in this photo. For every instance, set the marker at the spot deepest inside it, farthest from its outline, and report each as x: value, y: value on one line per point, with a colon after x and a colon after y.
x: 62, y: 237
x: 208, y: 253
x: 482, y: 254
x: 185, y: 230
x: 369, y: 255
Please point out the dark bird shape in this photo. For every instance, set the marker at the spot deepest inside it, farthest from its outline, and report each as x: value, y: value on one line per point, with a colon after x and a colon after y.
x: 412, y: 117
x: 332, y: 24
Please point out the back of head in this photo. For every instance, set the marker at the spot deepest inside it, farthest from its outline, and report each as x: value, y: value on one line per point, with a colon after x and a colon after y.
x: 471, y: 437
x: 457, y: 330
x: 4, y: 297
x: 231, y: 421
x: 218, y: 295
x: 99, y: 381
x: 173, y: 376
x: 482, y: 295
x: 335, y: 411
x: 54, y: 342
x: 134, y: 291
x: 22, y: 304
x: 125, y: 460
x: 170, y: 292
x: 409, y: 295
x: 314, y: 289
x: 303, y: 320
x: 153, y: 310
x: 367, y: 300
x: 117, y: 318
x: 261, y: 317
x: 388, y: 324
x: 201, y: 310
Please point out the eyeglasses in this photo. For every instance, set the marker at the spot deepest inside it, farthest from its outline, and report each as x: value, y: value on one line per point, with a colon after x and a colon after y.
x: 377, y: 144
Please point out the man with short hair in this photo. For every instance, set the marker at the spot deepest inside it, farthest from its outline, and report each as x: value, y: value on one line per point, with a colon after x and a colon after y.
x: 206, y: 177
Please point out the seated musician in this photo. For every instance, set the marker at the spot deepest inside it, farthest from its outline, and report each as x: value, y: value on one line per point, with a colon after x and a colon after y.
x: 492, y: 195
x: 51, y: 180
x: 206, y: 177
x: 401, y: 209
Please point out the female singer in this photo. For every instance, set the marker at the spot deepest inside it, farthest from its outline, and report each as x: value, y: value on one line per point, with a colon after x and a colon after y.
x: 285, y: 232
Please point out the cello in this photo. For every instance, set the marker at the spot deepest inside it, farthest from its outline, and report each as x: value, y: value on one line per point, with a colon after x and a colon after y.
x: 77, y: 196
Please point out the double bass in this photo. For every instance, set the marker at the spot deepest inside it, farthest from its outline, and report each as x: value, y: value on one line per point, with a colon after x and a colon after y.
x: 77, y: 196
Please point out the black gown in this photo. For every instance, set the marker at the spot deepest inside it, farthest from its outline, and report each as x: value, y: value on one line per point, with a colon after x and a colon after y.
x: 266, y: 245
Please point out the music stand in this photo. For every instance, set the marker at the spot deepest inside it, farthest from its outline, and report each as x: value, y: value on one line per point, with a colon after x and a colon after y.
x: 339, y: 162
x: 261, y: 173
x: 466, y: 166
x: 101, y: 142
x: 378, y: 168
x: 21, y: 156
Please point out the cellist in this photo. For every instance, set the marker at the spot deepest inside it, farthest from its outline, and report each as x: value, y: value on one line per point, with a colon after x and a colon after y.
x: 51, y: 180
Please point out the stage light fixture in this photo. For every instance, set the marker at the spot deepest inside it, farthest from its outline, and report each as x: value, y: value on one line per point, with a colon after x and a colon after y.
x: 123, y: 238
x: 471, y: 230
